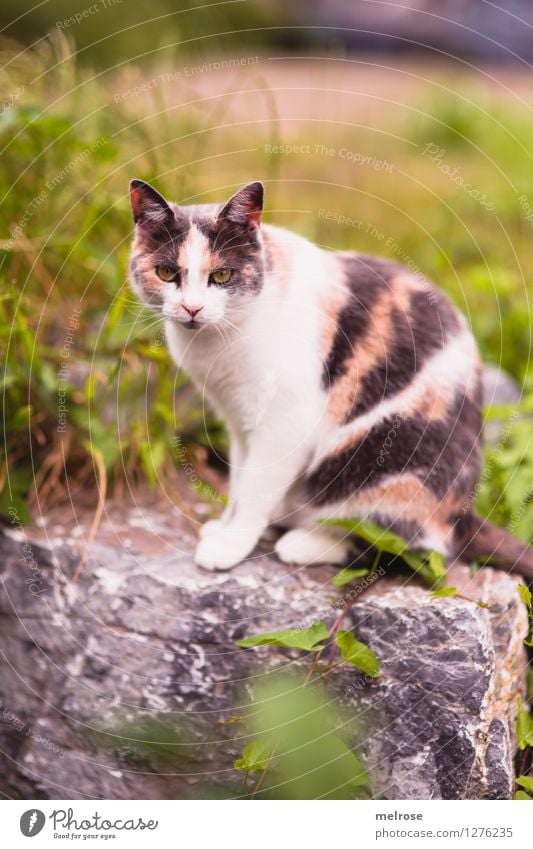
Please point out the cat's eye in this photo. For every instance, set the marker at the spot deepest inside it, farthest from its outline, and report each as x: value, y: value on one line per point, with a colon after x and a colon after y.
x: 223, y: 275
x: 166, y: 273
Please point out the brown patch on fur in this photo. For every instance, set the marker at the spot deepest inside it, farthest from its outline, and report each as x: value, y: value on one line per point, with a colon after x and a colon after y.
x: 417, y: 502
x: 405, y: 498
x: 331, y: 305
x: 372, y: 348
x: 434, y: 405
x: 142, y: 267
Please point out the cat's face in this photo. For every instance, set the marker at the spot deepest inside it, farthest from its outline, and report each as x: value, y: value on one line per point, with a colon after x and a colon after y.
x: 197, y: 265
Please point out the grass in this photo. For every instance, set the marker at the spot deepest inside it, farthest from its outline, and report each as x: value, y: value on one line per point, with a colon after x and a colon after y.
x: 87, y: 382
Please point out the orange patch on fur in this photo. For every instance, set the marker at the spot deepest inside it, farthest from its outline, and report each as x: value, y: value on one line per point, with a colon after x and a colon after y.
x: 434, y: 405
x: 405, y: 497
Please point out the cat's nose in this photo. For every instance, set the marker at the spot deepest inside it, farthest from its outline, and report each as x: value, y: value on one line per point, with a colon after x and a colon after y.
x: 193, y: 311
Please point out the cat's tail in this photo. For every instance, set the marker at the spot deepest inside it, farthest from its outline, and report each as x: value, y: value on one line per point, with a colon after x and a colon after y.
x: 477, y: 539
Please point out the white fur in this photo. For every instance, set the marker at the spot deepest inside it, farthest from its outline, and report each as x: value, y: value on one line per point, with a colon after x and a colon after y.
x: 307, y: 546
x: 261, y: 372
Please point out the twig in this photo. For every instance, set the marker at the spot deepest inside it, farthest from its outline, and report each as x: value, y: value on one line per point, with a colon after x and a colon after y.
x: 102, y: 491
x: 263, y: 774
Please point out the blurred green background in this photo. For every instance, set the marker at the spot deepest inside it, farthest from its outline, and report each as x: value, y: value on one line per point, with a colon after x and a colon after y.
x: 422, y: 159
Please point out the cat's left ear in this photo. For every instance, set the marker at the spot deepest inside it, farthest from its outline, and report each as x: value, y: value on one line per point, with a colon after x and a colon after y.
x: 245, y: 207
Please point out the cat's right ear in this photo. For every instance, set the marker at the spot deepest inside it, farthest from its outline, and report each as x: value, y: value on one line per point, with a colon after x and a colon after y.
x: 245, y: 207
x: 150, y: 209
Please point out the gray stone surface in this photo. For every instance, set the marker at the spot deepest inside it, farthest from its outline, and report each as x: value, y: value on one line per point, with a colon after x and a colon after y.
x: 144, y: 632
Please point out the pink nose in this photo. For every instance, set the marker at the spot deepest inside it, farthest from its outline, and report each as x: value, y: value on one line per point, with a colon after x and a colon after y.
x: 192, y: 310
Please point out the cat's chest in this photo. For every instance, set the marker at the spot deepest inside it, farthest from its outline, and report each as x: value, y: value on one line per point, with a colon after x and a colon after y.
x: 237, y: 375
x: 262, y: 372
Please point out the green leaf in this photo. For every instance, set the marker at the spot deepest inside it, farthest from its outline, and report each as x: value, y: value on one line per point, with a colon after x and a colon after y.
x: 104, y: 443
x: 255, y: 756
x: 526, y: 781
x: 431, y: 570
x: 345, y: 759
x: 437, y: 565
x: 14, y: 508
x: 152, y: 455
x: 524, y: 727
x: 525, y: 595
x: 22, y: 417
x: 520, y: 796
x: 357, y: 653
x: 307, y: 639
x: 445, y: 591
x: 429, y: 565
x: 90, y: 386
x: 378, y: 537
x: 348, y: 575
x: 529, y: 686
x: 151, y: 352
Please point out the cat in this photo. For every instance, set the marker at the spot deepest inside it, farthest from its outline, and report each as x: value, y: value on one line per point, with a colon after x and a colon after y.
x: 350, y: 386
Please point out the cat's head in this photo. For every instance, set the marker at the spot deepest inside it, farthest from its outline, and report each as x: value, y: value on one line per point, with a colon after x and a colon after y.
x: 196, y: 265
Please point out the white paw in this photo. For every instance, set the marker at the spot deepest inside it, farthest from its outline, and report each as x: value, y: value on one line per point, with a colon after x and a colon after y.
x: 213, y: 526
x: 306, y: 547
x: 223, y: 549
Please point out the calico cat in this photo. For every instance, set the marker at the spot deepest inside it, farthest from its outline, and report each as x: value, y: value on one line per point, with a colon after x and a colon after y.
x: 349, y: 385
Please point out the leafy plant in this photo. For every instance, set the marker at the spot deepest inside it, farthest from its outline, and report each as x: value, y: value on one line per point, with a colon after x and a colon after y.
x: 298, y: 751
x: 357, y: 653
x: 524, y: 727
x: 429, y: 565
x: 453, y: 592
x: 346, y: 576
x: 314, y: 639
x: 255, y: 756
x: 525, y: 595
x: 506, y: 489
x: 273, y: 752
x: 524, y: 734
x: 308, y: 639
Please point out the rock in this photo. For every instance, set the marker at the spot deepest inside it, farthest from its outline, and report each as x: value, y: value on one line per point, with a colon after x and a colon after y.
x: 499, y: 390
x: 444, y: 727
x: 144, y: 633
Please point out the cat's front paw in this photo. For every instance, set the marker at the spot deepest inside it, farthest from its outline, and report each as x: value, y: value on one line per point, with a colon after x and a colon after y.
x: 224, y: 548
x: 213, y: 526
